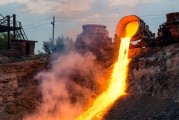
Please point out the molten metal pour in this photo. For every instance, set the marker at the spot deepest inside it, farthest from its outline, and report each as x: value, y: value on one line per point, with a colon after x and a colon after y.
x: 117, y: 84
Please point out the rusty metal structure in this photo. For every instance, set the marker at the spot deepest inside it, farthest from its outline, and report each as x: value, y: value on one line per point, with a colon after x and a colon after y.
x: 16, y: 36
x: 142, y: 38
x: 168, y: 32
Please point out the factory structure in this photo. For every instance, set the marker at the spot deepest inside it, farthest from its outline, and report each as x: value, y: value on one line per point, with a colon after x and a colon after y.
x: 16, y: 37
x: 169, y: 29
x: 93, y: 38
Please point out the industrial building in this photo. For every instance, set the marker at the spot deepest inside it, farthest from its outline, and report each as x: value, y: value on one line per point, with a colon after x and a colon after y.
x: 16, y: 37
x: 169, y: 29
x: 93, y: 38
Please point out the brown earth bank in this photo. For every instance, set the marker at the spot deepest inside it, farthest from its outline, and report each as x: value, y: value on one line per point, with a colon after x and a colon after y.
x: 18, y: 89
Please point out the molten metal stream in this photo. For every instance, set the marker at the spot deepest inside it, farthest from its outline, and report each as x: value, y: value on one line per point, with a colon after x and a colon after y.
x: 117, y: 85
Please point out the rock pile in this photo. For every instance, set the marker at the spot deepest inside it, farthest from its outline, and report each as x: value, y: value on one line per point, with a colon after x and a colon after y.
x: 18, y: 89
x: 156, y: 72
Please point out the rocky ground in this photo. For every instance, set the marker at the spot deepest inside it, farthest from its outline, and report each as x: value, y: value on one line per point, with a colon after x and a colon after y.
x: 18, y: 89
x: 153, y: 85
x: 156, y: 72
x: 143, y: 108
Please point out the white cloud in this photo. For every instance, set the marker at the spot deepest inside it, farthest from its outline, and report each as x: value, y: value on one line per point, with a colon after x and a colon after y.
x: 66, y: 7
x: 3, y: 2
x: 88, y: 18
x: 70, y: 7
x: 129, y: 2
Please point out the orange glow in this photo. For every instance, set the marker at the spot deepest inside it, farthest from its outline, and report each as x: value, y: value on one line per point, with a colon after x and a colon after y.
x: 117, y: 84
x: 131, y: 28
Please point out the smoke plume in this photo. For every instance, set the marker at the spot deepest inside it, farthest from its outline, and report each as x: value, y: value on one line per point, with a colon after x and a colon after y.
x: 71, y: 82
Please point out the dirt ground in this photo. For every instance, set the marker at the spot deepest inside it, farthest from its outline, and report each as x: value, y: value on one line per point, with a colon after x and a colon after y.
x: 131, y: 108
x: 143, y: 108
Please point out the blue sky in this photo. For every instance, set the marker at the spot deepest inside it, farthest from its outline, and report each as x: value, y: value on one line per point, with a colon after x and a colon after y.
x: 36, y: 15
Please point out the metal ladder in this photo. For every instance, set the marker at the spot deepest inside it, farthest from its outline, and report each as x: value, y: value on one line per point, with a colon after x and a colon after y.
x: 20, y: 34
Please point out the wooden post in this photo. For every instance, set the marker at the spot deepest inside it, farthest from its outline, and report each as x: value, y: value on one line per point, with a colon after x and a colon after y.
x: 53, y: 23
x: 14, y: 25
x: 8, y: 32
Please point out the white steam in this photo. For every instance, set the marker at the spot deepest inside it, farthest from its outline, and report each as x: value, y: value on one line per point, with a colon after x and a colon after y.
x: 66, y: 87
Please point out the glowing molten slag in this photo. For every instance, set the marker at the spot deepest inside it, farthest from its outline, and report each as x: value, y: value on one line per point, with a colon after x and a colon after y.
x: 117, y: 84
